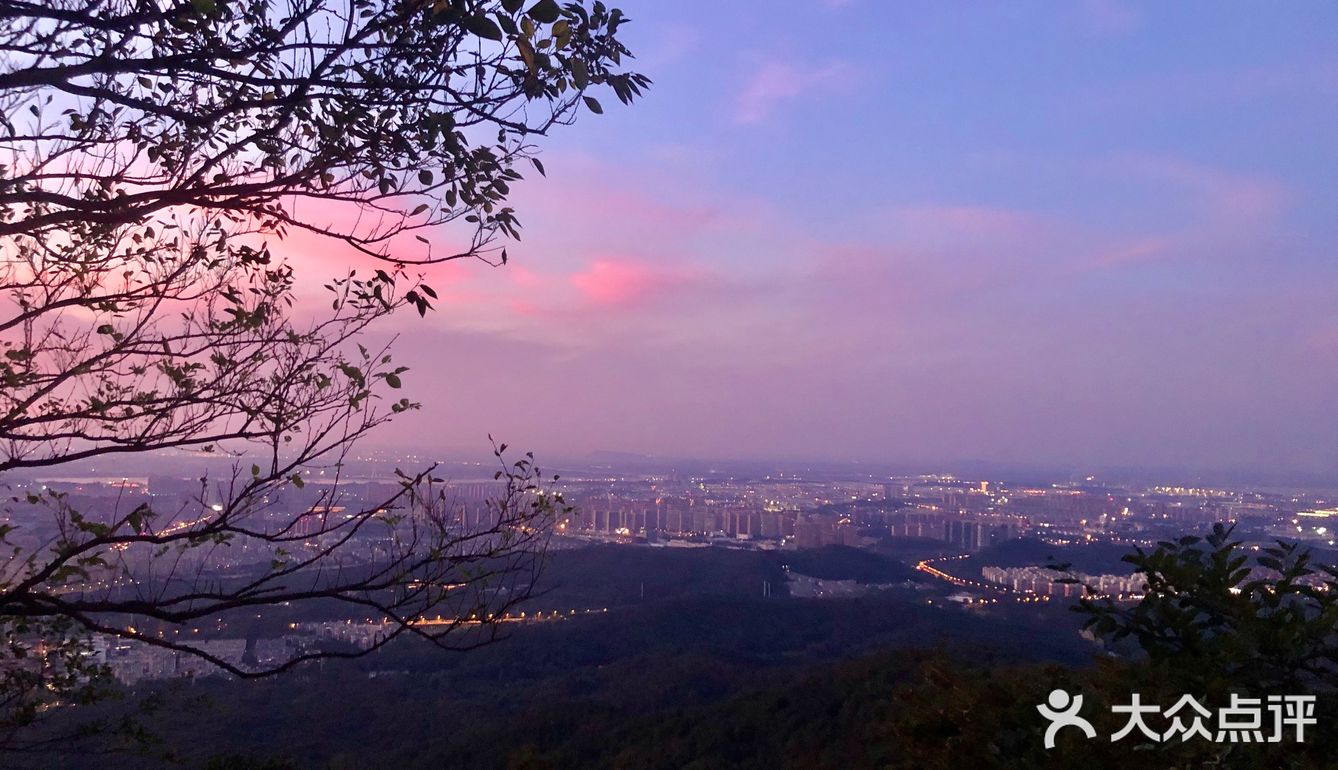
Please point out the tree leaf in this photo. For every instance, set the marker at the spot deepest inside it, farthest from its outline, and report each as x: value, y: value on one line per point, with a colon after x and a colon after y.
x: 482, y: 26
x: 545, y: 11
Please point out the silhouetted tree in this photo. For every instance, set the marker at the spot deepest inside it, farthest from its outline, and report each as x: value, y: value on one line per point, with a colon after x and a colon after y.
x: 1215, y: 617
x: 151, y: 151
x: 1215, y: 620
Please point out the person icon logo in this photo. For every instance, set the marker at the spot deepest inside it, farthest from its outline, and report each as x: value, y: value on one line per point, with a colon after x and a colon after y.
x: 1062, y: 711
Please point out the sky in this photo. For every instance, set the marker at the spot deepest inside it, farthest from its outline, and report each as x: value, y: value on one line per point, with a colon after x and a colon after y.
x: 1082, y: 234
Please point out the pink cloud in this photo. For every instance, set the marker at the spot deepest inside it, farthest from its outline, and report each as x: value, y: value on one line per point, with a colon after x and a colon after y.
x: 778, y: 82
x: 1136, y: 252
x: 1224, y: 196
x: 608, y: 282
x: 316, y: 257
x: 523, y: 277
x: 1220, y: 212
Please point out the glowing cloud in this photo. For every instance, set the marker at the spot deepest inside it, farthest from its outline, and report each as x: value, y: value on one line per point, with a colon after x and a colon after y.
x: 621, y: 283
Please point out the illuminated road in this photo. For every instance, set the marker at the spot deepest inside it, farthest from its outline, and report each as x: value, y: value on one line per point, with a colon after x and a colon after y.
x: 927, y: 566
x: 1026, y: 597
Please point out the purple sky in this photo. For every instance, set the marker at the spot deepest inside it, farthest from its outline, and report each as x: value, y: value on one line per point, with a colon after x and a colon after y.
x: 1081, y: 233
